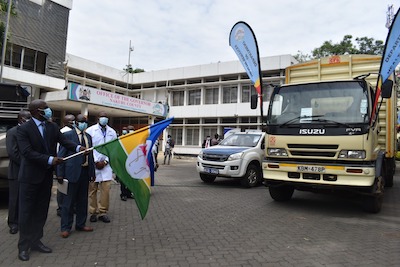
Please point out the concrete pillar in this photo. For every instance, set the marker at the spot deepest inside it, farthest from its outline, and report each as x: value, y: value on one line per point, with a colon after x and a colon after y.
x: 84, y: 109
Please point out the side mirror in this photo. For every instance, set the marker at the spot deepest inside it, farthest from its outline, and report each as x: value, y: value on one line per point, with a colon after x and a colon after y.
x: 253, y: 101
x: 387, y: 88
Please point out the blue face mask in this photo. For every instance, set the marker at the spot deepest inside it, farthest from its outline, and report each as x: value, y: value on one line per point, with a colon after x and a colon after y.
x: 47, y: 113
x: 82, y: 126
x: 103, y: 121
x: 124, y: 131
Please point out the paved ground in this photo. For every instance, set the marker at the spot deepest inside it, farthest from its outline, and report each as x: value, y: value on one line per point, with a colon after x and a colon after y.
x: 190, y: 223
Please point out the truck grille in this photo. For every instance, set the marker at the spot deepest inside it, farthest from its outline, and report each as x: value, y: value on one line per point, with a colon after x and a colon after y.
x: 215, y: 157
x: 313, y: 150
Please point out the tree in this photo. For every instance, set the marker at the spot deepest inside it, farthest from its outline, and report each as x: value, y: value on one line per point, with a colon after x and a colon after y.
x: 363, y: 45
x: 129, y: 69
x: 3, y: 16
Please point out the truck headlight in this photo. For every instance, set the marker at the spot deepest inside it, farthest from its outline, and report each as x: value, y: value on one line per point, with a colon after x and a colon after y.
x: 235, y: 156
x: 200, y: 156
x: 278, y: 152
x: 352, y: 154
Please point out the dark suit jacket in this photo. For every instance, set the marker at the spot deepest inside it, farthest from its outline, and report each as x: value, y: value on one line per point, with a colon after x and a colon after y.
x: 70, y: 169
x: 13, y: 153
x: 35, y: 153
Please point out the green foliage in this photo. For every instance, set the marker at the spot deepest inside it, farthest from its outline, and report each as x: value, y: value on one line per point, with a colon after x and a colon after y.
x: 129, y: 69
x: 3, y: 16
x: 363, y: 45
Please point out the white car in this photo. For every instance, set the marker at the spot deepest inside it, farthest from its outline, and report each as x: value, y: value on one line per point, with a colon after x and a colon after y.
x: 238, y: 156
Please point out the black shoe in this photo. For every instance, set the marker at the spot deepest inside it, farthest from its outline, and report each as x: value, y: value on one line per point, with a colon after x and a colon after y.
x: 104, y: 218
x: 93, y: 218
x: 23, y: 255
x: 41, y: 248
x: 124, y: 198
x: 131, y: 196
x: 13, y: 230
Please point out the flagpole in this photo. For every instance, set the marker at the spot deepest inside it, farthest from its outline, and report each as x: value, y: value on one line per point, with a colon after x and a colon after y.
x: 78, y: 153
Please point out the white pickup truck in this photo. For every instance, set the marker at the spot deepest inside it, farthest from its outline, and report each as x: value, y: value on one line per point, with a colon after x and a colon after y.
x: 238, y: 156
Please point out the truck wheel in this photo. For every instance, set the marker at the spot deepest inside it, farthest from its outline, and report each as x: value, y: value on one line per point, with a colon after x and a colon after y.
x: 373, y: 204
x: 389, y: 167
x: 207, y: 178
x: 281, y: 193
x: 252, y: 176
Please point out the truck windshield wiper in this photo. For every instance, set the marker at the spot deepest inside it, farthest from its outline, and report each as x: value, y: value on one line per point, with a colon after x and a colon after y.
x: 336, y: 123
x: 312, y: 119
x: 291, y: 121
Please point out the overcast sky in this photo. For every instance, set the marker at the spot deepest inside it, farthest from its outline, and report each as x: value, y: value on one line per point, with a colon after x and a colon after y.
x: 179, y: 33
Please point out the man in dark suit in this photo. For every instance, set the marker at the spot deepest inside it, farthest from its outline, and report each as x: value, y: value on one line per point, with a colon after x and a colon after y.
x: 37, y: 143
x: 13, y: 170
x: 78, y: 170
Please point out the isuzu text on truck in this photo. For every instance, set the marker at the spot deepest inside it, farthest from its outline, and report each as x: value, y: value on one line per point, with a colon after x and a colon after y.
x: 321, y: 133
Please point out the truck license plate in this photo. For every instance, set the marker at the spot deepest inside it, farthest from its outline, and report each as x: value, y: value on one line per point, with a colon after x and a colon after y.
x: 210, y: 170
x: 317, y: 169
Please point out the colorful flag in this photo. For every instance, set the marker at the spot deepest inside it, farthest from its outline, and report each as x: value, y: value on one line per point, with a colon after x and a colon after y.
x: 132, y: 161
x: 244, y: 43
x: 391, y: 53
x: 390, y: 60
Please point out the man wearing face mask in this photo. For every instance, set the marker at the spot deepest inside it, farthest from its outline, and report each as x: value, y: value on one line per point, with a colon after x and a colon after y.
x: 37, y: 143
x: 101, y: 133
x: 13, y: 170
x: 78, y: 170
x: 69, y: 122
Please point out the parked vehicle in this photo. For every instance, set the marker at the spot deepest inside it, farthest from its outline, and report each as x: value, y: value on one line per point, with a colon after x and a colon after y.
x: 13, y: 99
x: 320, y: 135
x: 239, y: 156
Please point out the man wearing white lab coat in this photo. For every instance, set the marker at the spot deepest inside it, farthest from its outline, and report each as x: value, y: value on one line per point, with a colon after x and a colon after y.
x: 101, y: 133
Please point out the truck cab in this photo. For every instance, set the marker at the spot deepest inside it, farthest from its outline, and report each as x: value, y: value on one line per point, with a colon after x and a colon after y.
x: 323, y: 132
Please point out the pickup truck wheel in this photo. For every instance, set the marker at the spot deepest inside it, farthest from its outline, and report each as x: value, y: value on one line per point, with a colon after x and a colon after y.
x: 207, y: 178
x: 252, y: 177
x: 281, y: 193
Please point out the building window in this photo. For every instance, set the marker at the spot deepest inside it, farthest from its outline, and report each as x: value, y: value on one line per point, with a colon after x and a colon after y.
x: 192, y: 136
x: 209, y: 131
x: 16, y: 56
x: 178, y: 98
x: 247, y: 91
x: 194, y: 97
x: 267, y: 91
x: 229, y: 94
x: 41, y: 62
x: 29, y: 59
x: 212, y: 95
x: 176, y: 134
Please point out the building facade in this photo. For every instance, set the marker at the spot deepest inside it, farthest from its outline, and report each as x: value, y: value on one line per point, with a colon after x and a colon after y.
x: 203, y: 99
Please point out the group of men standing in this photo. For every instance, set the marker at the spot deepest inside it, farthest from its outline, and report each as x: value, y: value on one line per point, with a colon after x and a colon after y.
x: 37, y: 149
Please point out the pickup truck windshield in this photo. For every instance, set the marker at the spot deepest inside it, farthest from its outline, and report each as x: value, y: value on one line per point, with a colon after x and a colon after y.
x: 336, y: 103
x: 247, y: 140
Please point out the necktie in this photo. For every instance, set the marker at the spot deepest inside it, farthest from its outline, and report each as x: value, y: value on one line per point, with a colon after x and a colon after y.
x: 83, y: 143
x: 43, y: 125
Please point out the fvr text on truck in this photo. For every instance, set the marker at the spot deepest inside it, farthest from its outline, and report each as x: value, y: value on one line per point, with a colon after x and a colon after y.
x: 321, y: 133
